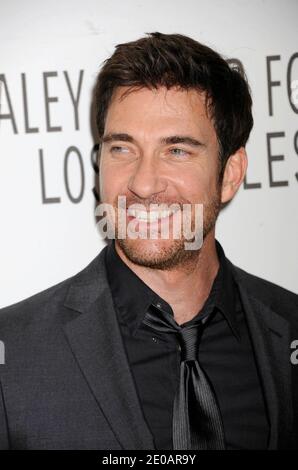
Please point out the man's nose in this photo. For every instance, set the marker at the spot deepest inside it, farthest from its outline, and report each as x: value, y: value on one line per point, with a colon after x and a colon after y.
x: 146, y: 179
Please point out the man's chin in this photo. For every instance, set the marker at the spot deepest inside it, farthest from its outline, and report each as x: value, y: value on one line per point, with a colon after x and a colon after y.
x: 156, y: 254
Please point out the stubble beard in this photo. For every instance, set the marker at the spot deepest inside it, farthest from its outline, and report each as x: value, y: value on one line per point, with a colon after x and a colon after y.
x: 169, y: 256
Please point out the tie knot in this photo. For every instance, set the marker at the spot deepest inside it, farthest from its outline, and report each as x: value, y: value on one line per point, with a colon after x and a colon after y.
x: 189, y: 338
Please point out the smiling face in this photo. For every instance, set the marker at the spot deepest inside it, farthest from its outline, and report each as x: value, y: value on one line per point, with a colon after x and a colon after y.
x: 159, y: 146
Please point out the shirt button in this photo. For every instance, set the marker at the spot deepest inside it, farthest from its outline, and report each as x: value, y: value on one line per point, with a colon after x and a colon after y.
x: 158, y: 305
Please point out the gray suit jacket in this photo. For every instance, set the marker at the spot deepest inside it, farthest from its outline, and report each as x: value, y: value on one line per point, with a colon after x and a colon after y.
x: 66, y: 381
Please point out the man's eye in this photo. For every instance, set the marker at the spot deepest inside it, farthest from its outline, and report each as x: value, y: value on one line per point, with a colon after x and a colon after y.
x: 119, y: 149
x: 178, y: 152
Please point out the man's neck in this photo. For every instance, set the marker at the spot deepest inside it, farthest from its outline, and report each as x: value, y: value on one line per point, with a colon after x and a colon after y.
x: 185, y: 290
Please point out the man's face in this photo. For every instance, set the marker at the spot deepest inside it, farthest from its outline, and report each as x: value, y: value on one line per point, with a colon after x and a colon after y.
x: 159, y: 146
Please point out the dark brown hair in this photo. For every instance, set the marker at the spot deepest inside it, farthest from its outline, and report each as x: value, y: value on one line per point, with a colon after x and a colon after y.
x: 175, y: 60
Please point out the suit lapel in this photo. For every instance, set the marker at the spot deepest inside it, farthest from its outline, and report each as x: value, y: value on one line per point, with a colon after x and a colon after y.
x: 270, y: 334
x: 95, y: 340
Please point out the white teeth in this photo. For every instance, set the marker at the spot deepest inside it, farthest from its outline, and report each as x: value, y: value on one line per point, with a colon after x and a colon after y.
x: 150, y: 216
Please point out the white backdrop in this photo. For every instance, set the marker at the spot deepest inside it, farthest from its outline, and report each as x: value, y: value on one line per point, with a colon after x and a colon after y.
x: 50, y: 54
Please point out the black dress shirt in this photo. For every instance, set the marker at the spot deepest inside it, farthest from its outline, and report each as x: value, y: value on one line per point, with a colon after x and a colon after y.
x: 225, y: 355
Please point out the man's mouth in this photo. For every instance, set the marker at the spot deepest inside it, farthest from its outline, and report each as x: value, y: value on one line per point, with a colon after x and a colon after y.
x: 149, y: 216
x: 154, y: 220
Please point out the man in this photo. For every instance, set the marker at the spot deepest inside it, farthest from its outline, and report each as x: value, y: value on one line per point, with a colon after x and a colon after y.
x: 158, y: 344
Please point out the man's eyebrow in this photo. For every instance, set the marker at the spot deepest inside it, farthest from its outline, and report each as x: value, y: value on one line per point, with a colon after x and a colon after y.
x: 173, y: 139
x: 117, y: 136
x: 181, y: 139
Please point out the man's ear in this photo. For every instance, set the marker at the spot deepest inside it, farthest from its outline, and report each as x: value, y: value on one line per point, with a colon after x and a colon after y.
x: 234, y: 174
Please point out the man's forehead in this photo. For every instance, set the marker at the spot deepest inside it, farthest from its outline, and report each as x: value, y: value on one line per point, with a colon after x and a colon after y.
x: 173, y: 107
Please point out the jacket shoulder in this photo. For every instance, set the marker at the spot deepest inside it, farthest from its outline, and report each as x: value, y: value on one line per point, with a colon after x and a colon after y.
x: 278, y: 298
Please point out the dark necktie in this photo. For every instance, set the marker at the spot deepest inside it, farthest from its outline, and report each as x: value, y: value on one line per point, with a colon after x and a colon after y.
x: 197, y: 422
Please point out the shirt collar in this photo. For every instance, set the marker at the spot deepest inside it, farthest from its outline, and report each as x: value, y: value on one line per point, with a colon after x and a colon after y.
x: 132, y: 296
